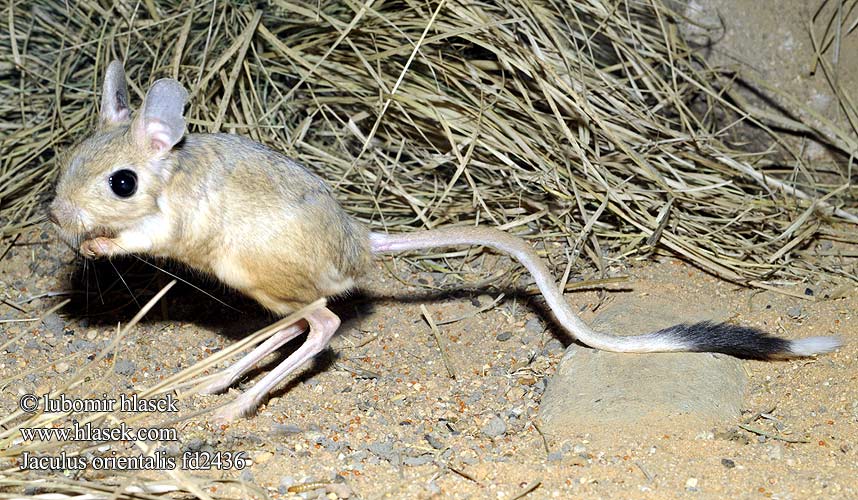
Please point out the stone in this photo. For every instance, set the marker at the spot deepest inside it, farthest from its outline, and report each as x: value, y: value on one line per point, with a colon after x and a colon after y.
x: 54, y: 324
x: 533, y: 325
x: 495, y: 427
x: 593, y: 390
x: 125, y: 367
x: 504, y: 336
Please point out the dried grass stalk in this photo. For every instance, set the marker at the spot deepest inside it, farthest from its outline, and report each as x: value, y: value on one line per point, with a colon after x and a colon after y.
x: 590, y: 122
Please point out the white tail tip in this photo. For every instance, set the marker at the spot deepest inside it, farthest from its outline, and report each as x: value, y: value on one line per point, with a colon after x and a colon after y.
x: 814, y: 345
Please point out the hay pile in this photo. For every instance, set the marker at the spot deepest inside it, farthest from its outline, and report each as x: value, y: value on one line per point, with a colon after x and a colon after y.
x: 591, y: 123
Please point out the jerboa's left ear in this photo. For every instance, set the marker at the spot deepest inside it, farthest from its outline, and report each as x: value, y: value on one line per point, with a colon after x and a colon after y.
x: 160, y: 124
x: 114, y: 97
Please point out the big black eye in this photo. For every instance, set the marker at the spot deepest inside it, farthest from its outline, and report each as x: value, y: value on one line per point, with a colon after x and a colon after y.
x: 123, y: 183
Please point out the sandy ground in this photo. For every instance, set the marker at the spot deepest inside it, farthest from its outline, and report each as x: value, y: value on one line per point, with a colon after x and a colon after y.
x: 378, y: 416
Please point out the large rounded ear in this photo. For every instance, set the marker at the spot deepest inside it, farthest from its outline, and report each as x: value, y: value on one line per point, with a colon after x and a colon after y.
x: 114, y: 97
x: 160, y: 124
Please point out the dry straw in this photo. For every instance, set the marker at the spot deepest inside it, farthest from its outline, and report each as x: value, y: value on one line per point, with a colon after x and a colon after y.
x: 591, y: 123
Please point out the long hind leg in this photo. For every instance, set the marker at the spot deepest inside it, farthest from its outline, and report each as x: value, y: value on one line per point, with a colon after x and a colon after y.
x: 323, y: 324
x: 229, y: 375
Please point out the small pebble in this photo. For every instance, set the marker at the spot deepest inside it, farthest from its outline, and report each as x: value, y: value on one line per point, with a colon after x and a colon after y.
x: 434, y: 441
x: 61, y: 367
x: 263, y: 457
x: 125, y: 367
x: 533, y: 325
x: 503, y: 336
x: 417, y: 461
x: 726, y: 462
x: 553, y: 346
x: 383, y: 449
x: 339, y: 490
x: 494, y: 427
x: 80, y: 345
x: 515, y: 394
x: 54, y: 324
x: 286, y: 429
x: 691, y: 484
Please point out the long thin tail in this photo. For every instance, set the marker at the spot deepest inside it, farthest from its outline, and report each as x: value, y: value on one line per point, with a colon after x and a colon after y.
x: 701, y: 337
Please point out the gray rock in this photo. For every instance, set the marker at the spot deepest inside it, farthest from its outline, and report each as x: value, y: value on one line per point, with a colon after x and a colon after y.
x: 384, y: 449
x: 533, y: 325
x: 125, y: 367
x: 417, y: 461
x: 54, y: 324
x: 434, y: 440
x: 331, y: 445
x: 504, y: 336
x: 494, y: 427
x: 197, y: 445
x: 80, y: 345
x: 595, y: 389
x: 358, y: 456
x: 286, y: 429
x: 552, y: 346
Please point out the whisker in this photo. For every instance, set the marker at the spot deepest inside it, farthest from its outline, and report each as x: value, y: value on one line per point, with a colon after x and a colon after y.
x: 168, y: 273
x: 87, y: 265
x: 110, y: 261
x: 174, y: 276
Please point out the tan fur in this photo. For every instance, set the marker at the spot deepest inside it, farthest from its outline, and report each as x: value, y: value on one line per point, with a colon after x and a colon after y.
x: 222, y: 204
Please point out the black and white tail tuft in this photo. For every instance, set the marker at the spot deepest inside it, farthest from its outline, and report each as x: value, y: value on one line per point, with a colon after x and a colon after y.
x: 743, y: 341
